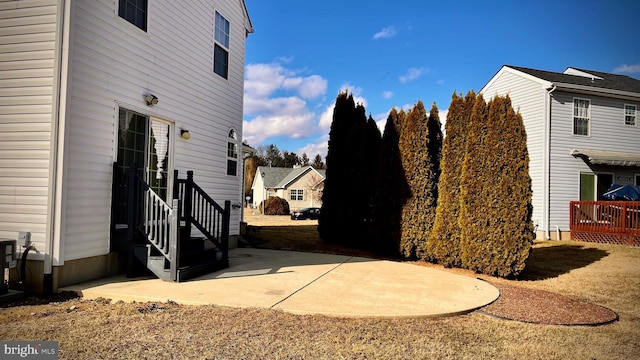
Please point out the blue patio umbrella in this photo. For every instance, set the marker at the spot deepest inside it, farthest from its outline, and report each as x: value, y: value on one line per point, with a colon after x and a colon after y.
x: 623, y: 192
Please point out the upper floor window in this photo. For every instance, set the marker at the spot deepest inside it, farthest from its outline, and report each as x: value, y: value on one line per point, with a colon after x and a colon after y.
x: 630, y: 115
x: 232, y: 153
x: 581, y: 116
x: 134, y: 11
x: 221, y: 46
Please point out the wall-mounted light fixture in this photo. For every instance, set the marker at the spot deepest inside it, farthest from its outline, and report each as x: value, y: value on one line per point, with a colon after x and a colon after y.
x: 185, y: 134
x: 151, y: 99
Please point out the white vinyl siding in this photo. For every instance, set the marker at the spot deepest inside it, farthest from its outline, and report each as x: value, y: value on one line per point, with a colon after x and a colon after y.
x: 115, y: 66
x: 527, y: 97
x: 27, y: 46
x: 606, y: 134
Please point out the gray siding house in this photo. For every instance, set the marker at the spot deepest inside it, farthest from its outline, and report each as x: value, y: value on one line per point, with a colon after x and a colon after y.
x: 583, y: 134
x: 86, y: 84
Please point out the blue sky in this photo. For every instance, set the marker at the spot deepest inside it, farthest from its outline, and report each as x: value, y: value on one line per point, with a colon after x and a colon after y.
x: 394, y: 53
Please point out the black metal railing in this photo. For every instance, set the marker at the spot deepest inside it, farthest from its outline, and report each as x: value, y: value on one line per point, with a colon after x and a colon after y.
x: 204, y: 213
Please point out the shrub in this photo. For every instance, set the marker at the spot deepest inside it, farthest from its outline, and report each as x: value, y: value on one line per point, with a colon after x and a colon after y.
x: 275, y: 206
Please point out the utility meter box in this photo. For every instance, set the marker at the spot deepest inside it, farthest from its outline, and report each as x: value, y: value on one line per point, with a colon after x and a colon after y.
x: 7, y: 261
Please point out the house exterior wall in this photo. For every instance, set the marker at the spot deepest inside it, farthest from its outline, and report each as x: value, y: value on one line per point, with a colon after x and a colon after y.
x: 607, y: 132
x: 27, y: 70
x: 113, y: 65
x: 528, y: 97
x: 305, y: 183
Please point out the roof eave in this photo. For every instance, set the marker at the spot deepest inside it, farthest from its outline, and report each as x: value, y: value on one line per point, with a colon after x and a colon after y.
x: 590, y: 90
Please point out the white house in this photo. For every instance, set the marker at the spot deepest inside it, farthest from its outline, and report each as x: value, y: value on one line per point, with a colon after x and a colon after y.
x: 300, y: 186
x: 583, y: 134
x: 85, y: 84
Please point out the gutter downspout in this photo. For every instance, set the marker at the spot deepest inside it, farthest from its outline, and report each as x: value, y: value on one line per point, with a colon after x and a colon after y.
x: 547, y: 159
x: 57, y: 132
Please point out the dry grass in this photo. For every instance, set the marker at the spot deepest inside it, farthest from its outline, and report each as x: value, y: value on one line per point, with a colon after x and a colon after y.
x: 602, y: 274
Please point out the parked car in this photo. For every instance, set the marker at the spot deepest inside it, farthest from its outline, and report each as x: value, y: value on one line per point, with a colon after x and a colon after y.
x: 312, y: 213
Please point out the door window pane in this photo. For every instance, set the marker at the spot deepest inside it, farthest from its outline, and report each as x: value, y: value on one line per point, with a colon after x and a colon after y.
x: 587, y: 187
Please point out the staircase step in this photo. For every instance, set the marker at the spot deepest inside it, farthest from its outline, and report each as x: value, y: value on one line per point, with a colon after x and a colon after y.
x: 190, y: 272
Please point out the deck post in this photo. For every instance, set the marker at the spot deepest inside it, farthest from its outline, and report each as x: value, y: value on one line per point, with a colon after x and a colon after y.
x: 188, y: 203
x: 226, y: 218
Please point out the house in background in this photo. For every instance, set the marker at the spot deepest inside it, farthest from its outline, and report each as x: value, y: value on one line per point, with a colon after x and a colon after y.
x: 583, y: 134
x: 300, y: 186
x: 91, y: 88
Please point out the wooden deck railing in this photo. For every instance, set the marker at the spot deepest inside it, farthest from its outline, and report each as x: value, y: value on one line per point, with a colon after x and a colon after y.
x: 615, y: 222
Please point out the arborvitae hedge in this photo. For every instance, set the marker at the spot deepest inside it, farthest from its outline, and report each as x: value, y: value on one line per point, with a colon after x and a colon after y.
x: 443, y: 245
x: 392, y: 189
x: 418, y: 213
x: 495, y: 201
x: 349, y: 187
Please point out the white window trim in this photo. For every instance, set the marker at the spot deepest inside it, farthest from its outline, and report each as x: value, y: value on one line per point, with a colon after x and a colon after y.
x: 225, y: 48
x: 232, y: 140
x: 573, y: 117
x: 624, y: 114
x: 297, y: 194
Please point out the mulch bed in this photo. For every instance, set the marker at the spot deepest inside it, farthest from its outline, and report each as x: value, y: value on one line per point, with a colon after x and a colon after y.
x: 543, y: 307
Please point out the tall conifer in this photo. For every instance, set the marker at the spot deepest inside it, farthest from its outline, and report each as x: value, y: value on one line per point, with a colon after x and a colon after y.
x: 443, y: 245
x: 391, y: 189
x: 496, y: 192
x: 418, y: 213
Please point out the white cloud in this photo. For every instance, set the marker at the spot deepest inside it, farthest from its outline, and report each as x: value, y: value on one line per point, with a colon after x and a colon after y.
x: 385, y: 33
x: 270, y: 114
x: 326, y: 118
x: 262, y: 80
x: 313, y: 149
x: 412, y: 74
x: 630, y: 69
x: 387, y: 94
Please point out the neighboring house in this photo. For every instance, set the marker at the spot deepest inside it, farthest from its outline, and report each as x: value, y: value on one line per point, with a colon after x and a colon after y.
x: 87, y: 84
x: 583, y: 134
x: 300, y: 186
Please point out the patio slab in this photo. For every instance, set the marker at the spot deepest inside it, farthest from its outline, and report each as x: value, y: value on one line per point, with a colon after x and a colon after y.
x: 310, y: 283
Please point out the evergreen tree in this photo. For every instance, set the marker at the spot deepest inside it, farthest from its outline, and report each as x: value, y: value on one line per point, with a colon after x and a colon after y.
x: 497, y: 232
x: 304, y: 159
x: 336, y: 217
x: 418, y: 213
x: 290, y: 159
x: 317, y: 162
x: 347, y: 198
x: 391, y: 189
x: 443, y: 244
x: 273, y: 156
x: 434, y: 128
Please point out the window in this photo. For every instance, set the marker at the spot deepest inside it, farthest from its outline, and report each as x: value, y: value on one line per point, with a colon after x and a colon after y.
x: 134, y: 11
x: 296, y: 195
x: 221, y: 46
x: 630, y: 115
x: 637, y: 180
x: 581, y: 112
x: 232, y: 153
